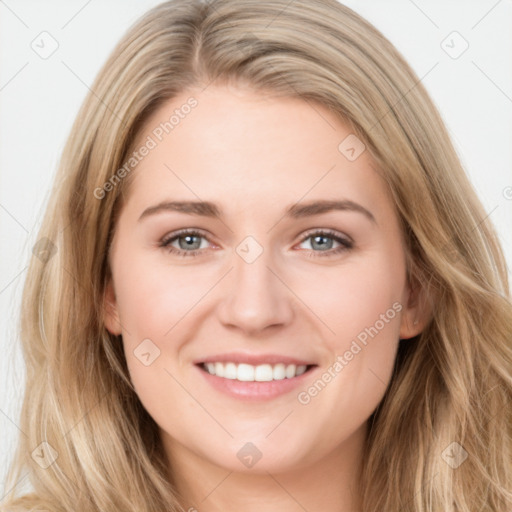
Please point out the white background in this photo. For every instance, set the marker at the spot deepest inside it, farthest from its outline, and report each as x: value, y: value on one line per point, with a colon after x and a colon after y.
x: 39, y: 99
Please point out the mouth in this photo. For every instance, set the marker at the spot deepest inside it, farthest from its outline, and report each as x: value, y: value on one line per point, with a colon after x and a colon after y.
x: 255, y: 383
x: 244, y: 372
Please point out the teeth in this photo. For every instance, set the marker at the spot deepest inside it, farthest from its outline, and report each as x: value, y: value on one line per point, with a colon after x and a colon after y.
x: 230, y: 371
x: 250, y: 373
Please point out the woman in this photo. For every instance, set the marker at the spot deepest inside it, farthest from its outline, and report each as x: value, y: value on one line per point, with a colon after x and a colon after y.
x: 267, y: 283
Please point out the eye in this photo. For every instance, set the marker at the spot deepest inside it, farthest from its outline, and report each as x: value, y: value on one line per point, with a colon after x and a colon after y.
x: 322, y: 243
x: 187, y: 242
x: 190, y: 242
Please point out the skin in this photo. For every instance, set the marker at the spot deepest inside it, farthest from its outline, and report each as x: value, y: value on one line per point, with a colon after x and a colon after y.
x: 254, y: 155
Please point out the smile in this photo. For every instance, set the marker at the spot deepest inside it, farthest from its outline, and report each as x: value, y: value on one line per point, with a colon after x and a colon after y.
x: 254, y: 382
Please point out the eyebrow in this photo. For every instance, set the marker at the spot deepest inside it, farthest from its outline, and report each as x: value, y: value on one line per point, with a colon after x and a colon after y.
x: 295, y: 211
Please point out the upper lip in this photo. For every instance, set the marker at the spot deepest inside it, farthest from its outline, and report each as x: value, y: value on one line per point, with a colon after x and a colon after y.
x: 253, y: 359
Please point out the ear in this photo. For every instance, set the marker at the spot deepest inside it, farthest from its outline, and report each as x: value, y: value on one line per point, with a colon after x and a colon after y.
x: 111, y: 315
x: 416, y: 312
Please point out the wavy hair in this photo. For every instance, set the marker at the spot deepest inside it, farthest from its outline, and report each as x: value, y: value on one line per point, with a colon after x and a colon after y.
x: 451, y: 384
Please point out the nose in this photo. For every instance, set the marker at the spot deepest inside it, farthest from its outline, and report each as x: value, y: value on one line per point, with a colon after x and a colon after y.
x: 255, y: 297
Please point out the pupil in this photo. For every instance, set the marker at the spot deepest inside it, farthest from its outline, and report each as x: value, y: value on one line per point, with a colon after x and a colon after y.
x: 320, y: 240
x: 189, y: 242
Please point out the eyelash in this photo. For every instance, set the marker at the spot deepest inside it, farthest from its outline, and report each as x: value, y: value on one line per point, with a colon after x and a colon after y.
x: 345, y: 243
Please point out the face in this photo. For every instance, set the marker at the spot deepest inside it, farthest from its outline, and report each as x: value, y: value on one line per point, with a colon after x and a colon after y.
x: 251, y: 240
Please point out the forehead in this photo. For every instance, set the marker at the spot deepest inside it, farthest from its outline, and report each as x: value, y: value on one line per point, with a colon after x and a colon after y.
x: 245, y: 147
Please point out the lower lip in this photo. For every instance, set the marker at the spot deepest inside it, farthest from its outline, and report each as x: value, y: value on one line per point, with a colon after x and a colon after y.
x: 255, y: 390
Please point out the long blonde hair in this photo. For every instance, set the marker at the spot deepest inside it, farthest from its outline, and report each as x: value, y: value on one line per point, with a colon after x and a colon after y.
x: 450, y: 394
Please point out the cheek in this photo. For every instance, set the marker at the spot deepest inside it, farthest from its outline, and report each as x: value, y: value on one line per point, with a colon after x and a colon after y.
x: 354, y: 297
x: 368, y: 303
x: 156, y: 308
x: 153, y: 299
x: 367, y: 326
x: 360, y: 306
